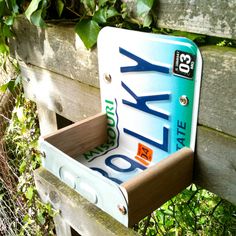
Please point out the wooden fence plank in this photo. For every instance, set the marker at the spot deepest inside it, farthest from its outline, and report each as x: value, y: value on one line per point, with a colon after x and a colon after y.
x: 215, y: 163
x: 67, y: 97
x: 56, y: 48
x: 62, y: 228
x: 83, y: 216
x: 218, y: 100
x: 216, y: 18
x: 47, y: 120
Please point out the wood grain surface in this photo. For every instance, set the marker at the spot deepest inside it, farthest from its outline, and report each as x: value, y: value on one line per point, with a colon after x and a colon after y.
x: 80, y: 136
x: 157, y: 184
x: 83, y: 216
x: 216, y: 18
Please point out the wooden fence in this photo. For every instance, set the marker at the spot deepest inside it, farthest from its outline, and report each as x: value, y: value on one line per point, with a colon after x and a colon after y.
x: 62, y: 78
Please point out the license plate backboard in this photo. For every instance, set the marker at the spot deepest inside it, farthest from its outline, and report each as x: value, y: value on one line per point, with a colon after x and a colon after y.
x: 150, y: 87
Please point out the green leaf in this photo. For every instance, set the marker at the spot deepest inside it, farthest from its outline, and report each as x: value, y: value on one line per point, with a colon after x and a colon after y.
x: 103, y: 14
x: 60, y: 7
x: 11, y: 85
x: 36, y: 18
x: 7, y: 31
x: 144, y: 7
x: 26, y: 218
x: 3, y: 88
x: 32, y: 8
x: 22, y: 167
x: 29, y: 193
x: 4, y: 48
x: 9, y: 20
x: 147, y: 21
x: 1, y: 196
x: 41, y: 218
x: 111, y: 12
x: 88, y: 32
x: 102, y: 2
x: 100, y: 16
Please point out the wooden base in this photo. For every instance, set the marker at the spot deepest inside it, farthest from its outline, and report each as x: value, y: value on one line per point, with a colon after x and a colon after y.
x: 140, y: 195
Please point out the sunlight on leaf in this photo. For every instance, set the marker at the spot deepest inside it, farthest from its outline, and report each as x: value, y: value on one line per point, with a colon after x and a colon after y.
x: 29, y: 193
x: 32, y: 8
x: 36, y: 18
x: 88, y: 32
x: 60, y: 7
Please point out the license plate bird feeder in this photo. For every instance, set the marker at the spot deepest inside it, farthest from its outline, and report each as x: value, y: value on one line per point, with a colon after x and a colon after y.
x: 138, y: 152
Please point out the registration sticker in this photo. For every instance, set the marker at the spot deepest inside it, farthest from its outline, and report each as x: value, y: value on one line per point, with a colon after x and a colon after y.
x: 144, y: 154
x: 150, y: 88
x: 184, y: 64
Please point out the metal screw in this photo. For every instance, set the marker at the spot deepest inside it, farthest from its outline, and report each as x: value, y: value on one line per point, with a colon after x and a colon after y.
x: 184, y: 100
x: 122, y: 209
x: 107, y: 77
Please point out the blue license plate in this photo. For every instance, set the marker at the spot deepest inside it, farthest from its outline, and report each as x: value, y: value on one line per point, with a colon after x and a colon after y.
x: 150, y: 87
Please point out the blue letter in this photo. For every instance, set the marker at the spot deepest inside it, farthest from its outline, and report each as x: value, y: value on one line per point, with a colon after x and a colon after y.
x: 133, y: 164
x: 104, y: 173
x: 141, y: 102
x: 142, y: 65
x: 163, y: 146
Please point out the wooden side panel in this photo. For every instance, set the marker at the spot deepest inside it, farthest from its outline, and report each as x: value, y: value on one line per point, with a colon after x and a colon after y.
x: 154, y: 186
x: 83, y: 216
x: 197, y: 16
x: 81, y: 136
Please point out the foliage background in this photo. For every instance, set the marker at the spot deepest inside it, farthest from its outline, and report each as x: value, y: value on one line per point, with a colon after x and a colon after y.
x: 193, y: 212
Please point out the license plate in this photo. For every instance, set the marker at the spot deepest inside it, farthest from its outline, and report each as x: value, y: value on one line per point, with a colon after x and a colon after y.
x: 150, y: 88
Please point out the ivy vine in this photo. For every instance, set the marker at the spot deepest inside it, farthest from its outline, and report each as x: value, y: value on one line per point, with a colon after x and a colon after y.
x: 90, y: 16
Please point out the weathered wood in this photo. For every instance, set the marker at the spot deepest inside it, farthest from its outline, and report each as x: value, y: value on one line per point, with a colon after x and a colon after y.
x: 75, y: 100
x: 56, y: 48
x: 67, y: 97
x: 216, y: 18
x: 47, y: 120
x: 218, y: 100
x: 216, y: 110
x: 81, y: 136
x: 83, y: 216
x: 157, y: 184
x: 215, y: 163
x: 62, y: 228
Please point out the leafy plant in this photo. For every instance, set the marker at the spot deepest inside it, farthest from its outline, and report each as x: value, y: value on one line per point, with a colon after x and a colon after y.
x: 195, y: 211
x: 34, y: 217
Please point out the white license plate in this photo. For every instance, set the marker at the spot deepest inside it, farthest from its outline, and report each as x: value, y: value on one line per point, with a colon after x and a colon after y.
x: 150, y: 88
